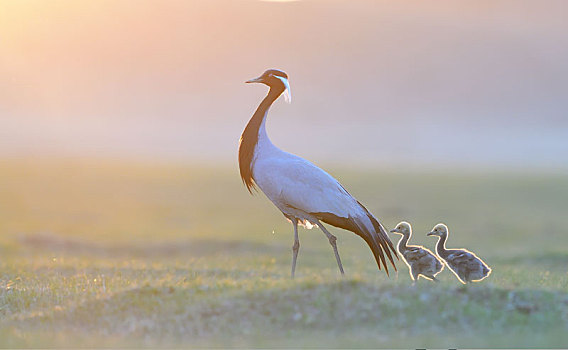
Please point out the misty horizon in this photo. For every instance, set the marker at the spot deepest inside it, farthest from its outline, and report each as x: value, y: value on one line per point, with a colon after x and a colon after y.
x: 373, y: 82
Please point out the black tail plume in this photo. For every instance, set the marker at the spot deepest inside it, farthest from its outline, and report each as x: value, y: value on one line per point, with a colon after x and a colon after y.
x: 376, y: 238
x: 383, y: 240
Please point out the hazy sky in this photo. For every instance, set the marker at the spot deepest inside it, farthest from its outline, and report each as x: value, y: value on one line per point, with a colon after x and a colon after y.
x: 376, y: 82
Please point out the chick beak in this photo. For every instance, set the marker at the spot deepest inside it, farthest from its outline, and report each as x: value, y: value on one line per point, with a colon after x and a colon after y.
x: 255, y: 80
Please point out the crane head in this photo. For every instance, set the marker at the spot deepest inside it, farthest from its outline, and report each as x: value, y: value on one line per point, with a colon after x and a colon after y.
x: 277, y: 79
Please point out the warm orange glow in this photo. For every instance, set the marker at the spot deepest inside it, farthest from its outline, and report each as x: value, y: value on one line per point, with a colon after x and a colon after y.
x: 161, y: 77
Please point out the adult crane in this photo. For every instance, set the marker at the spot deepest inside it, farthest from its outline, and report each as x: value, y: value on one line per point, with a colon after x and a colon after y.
x: 304, y: 193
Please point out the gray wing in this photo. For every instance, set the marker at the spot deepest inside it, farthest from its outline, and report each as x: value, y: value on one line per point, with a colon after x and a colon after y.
x: 466, y: 264
x: 414, y: 254
x: 422, y: 258
x: 464, y: 259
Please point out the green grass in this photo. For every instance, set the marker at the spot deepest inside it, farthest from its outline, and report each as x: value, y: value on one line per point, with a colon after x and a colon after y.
x: 111, y: 254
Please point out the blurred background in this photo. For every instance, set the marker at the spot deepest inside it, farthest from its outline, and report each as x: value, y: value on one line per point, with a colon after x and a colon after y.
x: 405, y: 83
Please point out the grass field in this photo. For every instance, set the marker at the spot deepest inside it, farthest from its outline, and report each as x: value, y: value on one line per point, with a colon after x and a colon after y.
x: 112, y: 254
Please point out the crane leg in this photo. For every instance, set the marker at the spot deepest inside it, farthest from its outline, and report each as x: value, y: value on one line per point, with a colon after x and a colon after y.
x: 295, y: 247
x: 332, y: 240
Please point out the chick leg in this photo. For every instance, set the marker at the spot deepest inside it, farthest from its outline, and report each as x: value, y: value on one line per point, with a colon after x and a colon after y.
x: 415, y: 276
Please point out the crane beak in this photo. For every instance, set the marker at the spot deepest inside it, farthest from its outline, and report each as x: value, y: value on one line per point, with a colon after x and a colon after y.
x: 255, y: 80
x: 431, y: 233
x: 394, y: 230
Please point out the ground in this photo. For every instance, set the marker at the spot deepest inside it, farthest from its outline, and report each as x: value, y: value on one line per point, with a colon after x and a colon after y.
x: 109, y: 253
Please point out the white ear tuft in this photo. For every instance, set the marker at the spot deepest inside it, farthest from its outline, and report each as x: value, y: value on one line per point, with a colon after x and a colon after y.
x: 287, y: 91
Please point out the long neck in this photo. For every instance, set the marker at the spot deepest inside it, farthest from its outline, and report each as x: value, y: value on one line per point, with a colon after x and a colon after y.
x: 255, y: 131
x: 403, y: 241
x: 258, y: 120
x: 441, y: 246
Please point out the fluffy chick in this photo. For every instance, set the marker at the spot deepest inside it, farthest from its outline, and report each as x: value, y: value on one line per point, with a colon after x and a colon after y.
x: 467, y: 266
x: 420, y: 261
